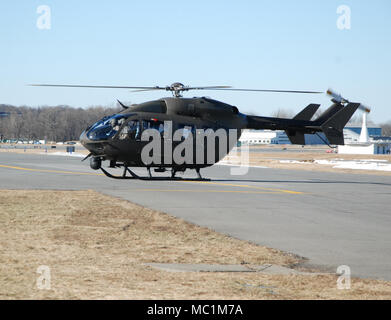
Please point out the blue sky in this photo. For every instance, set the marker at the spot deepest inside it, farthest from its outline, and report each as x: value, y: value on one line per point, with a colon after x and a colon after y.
x: 254, y: 44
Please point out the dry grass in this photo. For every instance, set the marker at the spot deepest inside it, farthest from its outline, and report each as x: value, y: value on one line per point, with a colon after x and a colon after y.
x: 95, y: 246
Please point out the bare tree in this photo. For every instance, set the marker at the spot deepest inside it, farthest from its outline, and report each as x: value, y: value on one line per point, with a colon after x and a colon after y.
x: 386, y: 129
x: 60, y: 123
x: 282, y: 113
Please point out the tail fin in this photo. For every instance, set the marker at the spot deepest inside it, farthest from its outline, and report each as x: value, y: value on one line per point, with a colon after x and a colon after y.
x: 295, y: 137
x: 332, y: 110
x: 333, y: 127
x: 308, y: 112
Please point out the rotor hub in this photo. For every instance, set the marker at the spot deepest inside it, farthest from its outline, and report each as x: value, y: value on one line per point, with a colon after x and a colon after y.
x: 176, y: 88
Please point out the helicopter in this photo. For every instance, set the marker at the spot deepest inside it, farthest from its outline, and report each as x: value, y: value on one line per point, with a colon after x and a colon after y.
x: 121, y: 138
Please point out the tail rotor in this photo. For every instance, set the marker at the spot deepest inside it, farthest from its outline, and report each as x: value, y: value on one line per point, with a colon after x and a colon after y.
x: 337, y: 98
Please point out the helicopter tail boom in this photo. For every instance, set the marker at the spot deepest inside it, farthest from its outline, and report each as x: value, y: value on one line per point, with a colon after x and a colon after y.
x: 296, y: 128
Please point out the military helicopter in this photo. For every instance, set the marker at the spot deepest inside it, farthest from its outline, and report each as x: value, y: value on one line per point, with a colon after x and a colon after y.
x: 119, y: 138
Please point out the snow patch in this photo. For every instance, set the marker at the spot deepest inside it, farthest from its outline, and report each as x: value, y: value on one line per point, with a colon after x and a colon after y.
x: 230, y: 164
x: 367, y: 164
x: 378, y: 165
x: 65, y: 154
x: 296, y: 161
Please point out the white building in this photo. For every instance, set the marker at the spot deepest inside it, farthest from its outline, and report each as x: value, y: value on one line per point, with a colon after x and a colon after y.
x: 250, y: 137
x: 368, y: 148
x: 364, y: 144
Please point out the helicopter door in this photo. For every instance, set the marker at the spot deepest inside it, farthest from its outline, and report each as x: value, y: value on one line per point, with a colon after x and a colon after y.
x: 191, y: 109
x: 157, y: 125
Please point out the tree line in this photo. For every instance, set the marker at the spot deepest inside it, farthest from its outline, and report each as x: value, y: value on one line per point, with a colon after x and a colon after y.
x: 386, y: 129
x: 59, y: 123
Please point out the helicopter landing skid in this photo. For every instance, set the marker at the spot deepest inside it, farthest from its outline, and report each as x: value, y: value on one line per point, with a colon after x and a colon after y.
x: 134, y: 176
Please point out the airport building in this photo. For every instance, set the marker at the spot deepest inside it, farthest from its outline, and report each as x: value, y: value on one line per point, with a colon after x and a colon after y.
x: 251, y: 137
x: 365, y: 140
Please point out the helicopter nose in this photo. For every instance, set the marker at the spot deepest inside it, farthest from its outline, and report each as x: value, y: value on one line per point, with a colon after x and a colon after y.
x: 83, y: 139
x: 94, y: 147
x: 86, y: 142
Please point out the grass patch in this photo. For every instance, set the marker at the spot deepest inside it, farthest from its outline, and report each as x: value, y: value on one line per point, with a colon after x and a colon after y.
x: 95, y: 246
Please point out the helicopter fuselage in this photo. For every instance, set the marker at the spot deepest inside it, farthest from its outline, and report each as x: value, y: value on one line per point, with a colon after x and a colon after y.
x: 119, y: 138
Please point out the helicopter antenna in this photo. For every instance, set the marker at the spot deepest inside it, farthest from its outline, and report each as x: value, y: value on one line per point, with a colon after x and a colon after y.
x: 122, y: 105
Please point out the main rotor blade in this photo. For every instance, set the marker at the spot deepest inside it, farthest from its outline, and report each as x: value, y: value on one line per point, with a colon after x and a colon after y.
x: 168, y: 88
x: 98, y: 87
x: 207, y: 88
x: 264, y: 90
x: 142, y: 90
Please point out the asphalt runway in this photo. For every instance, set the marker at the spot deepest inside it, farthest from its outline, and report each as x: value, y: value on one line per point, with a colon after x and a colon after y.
x: 330, y: 218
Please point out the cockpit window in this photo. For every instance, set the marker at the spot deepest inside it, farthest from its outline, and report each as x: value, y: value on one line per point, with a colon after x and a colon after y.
x: 154, y: 124
x: 131, y: 130
x: 186, y: 130
x: 107, y: 127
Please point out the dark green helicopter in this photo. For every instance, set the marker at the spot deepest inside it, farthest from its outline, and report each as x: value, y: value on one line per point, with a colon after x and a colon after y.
x: 120, y: 138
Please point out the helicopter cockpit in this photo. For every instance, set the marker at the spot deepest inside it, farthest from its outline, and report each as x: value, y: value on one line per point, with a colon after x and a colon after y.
x: 133, y: 128
x: 129, y: 126
x: 107, y: 127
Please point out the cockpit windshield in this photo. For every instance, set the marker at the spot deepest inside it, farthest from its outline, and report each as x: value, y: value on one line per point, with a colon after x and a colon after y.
x: 107, y: 127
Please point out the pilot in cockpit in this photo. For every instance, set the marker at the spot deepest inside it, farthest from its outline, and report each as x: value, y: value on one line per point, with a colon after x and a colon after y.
x: 116, y: 124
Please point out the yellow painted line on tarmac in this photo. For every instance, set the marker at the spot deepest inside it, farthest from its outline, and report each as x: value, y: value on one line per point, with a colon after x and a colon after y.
x: 50, y: 171
x: 269, y: 190
x: 247, y: 186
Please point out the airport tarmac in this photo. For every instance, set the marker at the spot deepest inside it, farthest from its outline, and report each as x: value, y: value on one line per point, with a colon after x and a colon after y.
x: 330, y: 218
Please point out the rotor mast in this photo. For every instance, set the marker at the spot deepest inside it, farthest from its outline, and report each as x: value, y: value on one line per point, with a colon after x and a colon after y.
x: 176, y: 88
